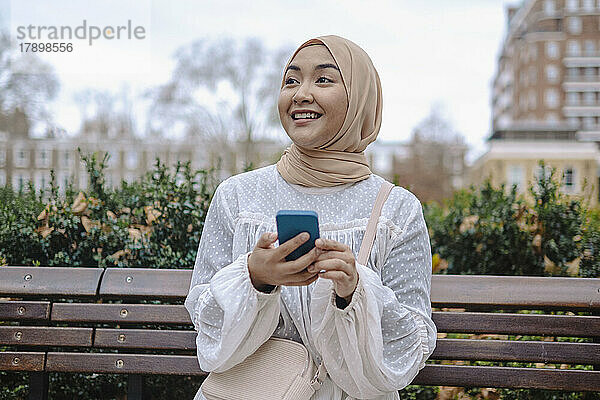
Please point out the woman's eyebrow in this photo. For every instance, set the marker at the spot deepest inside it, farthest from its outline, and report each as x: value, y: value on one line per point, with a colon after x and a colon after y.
x: 320, y: 66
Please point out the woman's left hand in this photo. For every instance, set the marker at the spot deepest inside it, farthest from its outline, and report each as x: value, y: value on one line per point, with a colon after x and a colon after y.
x: 339, y: 264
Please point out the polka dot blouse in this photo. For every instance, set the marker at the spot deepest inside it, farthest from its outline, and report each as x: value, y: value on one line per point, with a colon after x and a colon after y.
x: 373, y: 347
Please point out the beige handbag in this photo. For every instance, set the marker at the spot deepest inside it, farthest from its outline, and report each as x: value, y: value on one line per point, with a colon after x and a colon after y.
x: 281, y: 369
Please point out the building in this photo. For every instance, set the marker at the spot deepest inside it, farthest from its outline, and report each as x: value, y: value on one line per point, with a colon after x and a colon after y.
x: 546, y: 96
x: 432, y: 170
x: 24, y: 158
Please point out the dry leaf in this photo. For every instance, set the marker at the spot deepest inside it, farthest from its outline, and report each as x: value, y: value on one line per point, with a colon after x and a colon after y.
x: 43, y: 215
x: 88, y: 224
x: 120, y: 253
x: 79, y: 204
x: 44, y: 231
x: 573, y: 266
x: 135, y: 234
x: 151, y: 214
x: 111, y: 215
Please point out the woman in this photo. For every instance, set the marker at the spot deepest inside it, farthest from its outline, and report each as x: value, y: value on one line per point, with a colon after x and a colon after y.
x: 370, y: 324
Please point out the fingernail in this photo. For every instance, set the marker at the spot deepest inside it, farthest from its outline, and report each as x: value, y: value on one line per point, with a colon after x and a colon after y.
x: 304, y: 236
x: 319, y: 242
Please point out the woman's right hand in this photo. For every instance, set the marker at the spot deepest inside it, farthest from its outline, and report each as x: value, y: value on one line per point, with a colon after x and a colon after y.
x: 267, y: 264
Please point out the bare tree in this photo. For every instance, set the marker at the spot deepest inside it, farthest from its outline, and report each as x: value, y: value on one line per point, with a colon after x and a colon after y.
x: 436, y: 157
x: 105, y: 113
x: 248, y: 71
x: 27, y: 84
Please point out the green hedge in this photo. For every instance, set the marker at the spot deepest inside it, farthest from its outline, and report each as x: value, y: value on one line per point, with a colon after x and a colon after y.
x: 488, y: 230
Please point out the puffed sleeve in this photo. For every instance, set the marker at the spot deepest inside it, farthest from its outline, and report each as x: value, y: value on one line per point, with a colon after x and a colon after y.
x: 231, y: 317
x: 380, y: 341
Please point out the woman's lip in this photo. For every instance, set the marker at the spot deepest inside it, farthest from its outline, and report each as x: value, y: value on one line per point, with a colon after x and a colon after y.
x: 304, y: 121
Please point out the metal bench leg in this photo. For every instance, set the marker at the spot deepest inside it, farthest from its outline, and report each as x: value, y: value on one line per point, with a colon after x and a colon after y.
x: 38, y: 386
x: 135, y: 387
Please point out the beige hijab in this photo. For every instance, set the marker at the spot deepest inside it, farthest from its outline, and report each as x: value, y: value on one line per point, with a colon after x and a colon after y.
x: 340, y: 160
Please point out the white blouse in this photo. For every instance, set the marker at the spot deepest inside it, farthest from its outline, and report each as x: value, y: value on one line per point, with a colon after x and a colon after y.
x: 373, y: 347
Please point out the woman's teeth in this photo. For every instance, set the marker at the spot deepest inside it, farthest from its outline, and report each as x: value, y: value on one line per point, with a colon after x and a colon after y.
x: 306, y: 116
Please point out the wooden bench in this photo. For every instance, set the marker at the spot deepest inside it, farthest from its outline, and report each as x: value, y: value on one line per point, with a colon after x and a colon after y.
x: 63, y: 319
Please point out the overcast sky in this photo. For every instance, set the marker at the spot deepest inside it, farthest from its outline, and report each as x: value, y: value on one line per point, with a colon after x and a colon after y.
x: 426, y: 52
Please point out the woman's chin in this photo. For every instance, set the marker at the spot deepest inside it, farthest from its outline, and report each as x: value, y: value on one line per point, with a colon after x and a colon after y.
x: 310, y: 142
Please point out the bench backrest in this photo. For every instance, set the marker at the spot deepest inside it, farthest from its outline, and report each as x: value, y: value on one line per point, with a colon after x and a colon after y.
x: 54, y: 312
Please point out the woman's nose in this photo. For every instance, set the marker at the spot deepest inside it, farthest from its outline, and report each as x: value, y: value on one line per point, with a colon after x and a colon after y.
x: 303, y: 94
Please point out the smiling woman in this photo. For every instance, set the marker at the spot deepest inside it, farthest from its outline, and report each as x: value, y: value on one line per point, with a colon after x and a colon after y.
x: 367, y: 323
x: 313, y: 100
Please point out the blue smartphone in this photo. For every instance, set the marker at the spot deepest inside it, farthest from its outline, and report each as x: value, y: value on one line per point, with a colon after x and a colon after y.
x: 291, y: 223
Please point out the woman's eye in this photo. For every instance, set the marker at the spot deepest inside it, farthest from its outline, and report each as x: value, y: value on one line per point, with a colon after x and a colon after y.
x: 327, y: 79
x: 289, y: 81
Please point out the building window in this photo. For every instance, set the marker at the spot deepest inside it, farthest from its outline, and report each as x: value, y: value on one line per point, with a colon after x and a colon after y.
x: 515, y: 176
x: 532, y: 75
x: 523, y: 102
x: 573, y: 72
x: 589, y: 47
x: 572, y: 5
x: 533, y: 51
x: 568, y: 178
x: 589, y: 72
x: 551, y: 98
x: 20, y: 180
x: 572, y: 98
x: 552, y: 49
x: 42, y: 180
x: 132, y: 159
x: 574, y: 25
x: 588, y: 122
x: 573, y: 48
x: 588, y: 5
x: 66, y: 159
x: 43, y: 159
x: 552, y: 73
x: 549, y: 7
x: 2, y: 157
x: 573, y: 121
x: 532, y: 100
x: 130, y: 177
x: 62, y: 180
x: 2, y: 179
x: 83, y: 180
x: 113, y: 159
x: 589, y: 98
x: 21, y: 157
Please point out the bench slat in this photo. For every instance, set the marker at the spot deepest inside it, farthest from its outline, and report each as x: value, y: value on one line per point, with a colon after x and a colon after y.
x: 517, y: 324
x: 24, y: 310
x: 22, y: 361
x: 508, y: 377
x: 510, y: 350
x: 446, y: 349
x: 69, y: 281
x: 45, y: 336
x: 145, y: 282
x: 447, y: 375
x: 145, y: 339
x: 467, y: 322
x: 128, y: 364
x: 121, y: 313
x: 515, y: 291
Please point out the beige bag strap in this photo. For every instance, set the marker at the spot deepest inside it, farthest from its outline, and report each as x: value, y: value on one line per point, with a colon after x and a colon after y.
x: 369, y: 238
